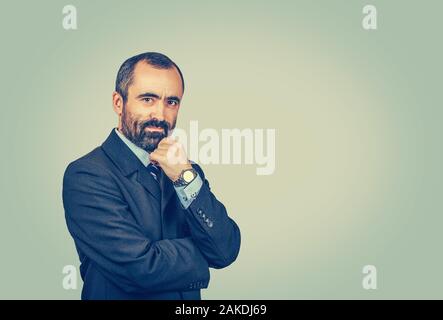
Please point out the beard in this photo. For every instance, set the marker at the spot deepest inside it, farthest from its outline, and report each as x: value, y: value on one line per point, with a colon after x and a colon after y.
x: 135, y: 130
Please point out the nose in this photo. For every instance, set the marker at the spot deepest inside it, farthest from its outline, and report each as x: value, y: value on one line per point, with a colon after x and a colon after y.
x: 156, y: 112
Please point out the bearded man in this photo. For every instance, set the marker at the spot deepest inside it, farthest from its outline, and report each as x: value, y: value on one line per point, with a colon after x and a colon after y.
x: 144, y: 220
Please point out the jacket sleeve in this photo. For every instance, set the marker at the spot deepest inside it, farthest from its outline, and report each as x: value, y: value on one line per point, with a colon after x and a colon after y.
x: 105, y: 231
x: 213, y: 231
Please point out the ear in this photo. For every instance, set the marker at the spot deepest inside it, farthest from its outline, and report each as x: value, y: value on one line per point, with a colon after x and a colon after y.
x: 117, y: 103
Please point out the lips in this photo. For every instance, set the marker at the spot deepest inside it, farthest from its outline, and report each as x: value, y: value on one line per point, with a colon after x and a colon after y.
x: 156, y: 129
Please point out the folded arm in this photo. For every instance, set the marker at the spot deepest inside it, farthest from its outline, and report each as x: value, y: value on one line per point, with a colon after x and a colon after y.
x: 213, y: 231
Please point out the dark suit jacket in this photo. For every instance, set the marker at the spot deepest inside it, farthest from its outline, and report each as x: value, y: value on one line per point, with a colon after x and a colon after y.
x: 135, y: 242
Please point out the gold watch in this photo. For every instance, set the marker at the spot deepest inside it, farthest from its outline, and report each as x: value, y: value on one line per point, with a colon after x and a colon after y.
x: 185, y: 178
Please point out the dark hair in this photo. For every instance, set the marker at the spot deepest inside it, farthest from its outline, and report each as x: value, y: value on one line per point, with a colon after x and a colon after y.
x: 126, y: 71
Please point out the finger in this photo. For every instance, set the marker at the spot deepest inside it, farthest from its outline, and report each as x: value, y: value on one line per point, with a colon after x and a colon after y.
x: 155, y: 156
x: 169, y: 140
x: 162, y: 149
x: 160, y: 152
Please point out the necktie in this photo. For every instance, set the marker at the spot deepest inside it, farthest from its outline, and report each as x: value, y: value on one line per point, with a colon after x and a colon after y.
x: 154, y: 171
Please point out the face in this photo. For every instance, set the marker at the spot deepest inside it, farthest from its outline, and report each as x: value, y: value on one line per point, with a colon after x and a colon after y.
x: 151, y: 109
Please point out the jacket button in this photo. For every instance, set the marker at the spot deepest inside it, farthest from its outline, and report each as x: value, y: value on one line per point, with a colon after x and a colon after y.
x: 199, y: 211
x: 210, y: 223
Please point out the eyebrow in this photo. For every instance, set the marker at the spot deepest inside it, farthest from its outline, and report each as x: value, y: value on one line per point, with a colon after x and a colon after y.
x: 153, y: 95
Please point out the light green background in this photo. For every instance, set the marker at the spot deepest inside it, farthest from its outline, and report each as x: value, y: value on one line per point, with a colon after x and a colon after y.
x: 358, y: 135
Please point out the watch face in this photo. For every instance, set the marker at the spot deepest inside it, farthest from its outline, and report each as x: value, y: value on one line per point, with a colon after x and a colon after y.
x: 188, y: 176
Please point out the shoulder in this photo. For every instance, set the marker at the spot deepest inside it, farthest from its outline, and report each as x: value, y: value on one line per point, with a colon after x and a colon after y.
x: 89, y: 167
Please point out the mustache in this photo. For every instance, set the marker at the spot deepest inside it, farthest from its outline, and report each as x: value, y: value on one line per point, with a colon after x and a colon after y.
x: 156, y: 123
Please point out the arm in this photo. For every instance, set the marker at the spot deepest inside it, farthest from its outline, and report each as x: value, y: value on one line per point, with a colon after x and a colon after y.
x: 104, y: 229
x: 214, y: 232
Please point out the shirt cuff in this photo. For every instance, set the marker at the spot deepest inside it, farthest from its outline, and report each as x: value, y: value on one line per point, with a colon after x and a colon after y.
x: 186, y: 194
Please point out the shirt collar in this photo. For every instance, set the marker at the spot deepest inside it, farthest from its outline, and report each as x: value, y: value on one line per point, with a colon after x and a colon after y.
x: 141, y: 154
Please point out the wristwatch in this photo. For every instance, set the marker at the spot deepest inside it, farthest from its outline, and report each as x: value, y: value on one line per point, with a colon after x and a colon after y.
x: 185, y: 178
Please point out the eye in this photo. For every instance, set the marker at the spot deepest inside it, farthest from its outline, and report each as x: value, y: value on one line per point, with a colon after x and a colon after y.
x: 147, y: 99
x: 172, y: 103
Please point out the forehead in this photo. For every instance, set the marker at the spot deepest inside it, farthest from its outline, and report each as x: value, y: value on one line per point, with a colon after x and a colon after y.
x: 147, y: 78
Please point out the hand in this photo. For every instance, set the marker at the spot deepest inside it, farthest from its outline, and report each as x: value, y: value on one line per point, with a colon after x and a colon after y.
x: 171, y: 157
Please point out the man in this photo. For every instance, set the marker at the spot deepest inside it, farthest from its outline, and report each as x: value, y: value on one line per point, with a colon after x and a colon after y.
x: 144, y: 220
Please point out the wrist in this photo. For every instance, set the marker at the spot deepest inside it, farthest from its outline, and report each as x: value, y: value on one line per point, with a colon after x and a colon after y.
x: 186, y: 176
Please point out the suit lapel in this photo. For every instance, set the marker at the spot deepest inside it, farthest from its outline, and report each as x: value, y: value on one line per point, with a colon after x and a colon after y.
x: 128, y: 163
